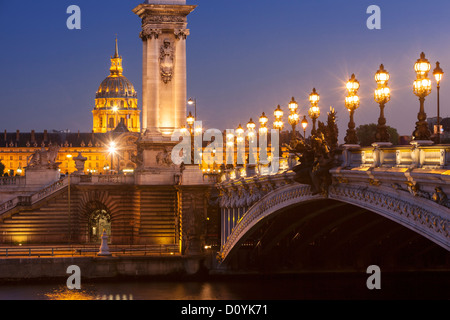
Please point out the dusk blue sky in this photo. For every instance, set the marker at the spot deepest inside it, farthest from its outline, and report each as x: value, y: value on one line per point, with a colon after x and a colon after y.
x: 244, y: 57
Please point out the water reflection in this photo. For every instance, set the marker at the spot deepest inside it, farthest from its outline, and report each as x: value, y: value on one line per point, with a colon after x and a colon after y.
x: 63, y: 293
x: 66, y: 294
x: 329, y: 287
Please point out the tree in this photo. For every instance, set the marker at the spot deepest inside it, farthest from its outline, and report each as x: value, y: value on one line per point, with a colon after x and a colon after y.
x: 2, y: 169
x: 366, y: 134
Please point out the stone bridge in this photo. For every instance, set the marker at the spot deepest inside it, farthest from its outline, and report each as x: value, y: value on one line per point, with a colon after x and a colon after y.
x: 405, y: 184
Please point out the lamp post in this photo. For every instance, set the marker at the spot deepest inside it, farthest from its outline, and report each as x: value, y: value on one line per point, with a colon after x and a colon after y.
x: 314, y: 111
x: 438, y: 74
x: 251, y: 130
x: 278, y: 125
x: 230, y: 149
x: 304, y: 125
x: 251, y: 144
x: 382, y: 96
x: 352, y: 103
x: 193, y: 102
x: 69, y: 156
x: 240, y: 145
x: 263, y: 122
x: 293, y: 118
x: 422, y: 88
x: 112, y: 149
x: 190, y: 121
x: 263, y: 137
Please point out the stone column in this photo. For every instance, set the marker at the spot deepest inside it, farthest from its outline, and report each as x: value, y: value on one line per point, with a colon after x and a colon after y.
x: 180, y: 82
x: 150, y: 79
x: 164, y: 35
x: 164, y: 32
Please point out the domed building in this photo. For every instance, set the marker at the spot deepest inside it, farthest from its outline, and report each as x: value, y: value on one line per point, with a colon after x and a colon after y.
x: 116, y: 120
x: 116, y: 101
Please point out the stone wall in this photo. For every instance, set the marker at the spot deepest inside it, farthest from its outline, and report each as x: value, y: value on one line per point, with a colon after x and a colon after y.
x: 97, y: 268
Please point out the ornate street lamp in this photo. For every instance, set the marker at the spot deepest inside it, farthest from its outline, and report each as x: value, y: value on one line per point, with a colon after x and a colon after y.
x: 251, y: 129
x: 293, y: 105
x: 352, y: 103
x: 294, y: 118
x: 69, y: 157
x: 438, y: 74
x: 263, y: 122
x: 240, y: 134
x: 193, y: 102
x: 112, y: 149
x: 240, y: 145
x: 382, y: 96
x: 422, y: 88
x: 190, y: 121
x: 263, y: 137
x: 251, y: 142
x: 314, y: 111
x: 304, y: 125
x: 278, y: 125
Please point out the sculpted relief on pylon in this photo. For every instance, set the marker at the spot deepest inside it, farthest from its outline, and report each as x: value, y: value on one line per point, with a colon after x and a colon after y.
x: 166, y: 60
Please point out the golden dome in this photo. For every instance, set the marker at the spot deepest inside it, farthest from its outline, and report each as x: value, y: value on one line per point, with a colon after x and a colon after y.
x: 116, y: 85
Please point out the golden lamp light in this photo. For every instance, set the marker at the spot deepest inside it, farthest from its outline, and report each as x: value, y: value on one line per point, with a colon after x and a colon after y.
x: 438, y: 75
x: 352, y: 103
x: 190, y: 119
x: 422, y: 88
x: 382, y: 96
x: 293, y: 105
x: 314, y: 110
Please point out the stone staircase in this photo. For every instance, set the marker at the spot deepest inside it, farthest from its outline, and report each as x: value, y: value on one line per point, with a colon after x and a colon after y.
x: 158, y: 216
x: 144, y: 215
x: 46, y: 221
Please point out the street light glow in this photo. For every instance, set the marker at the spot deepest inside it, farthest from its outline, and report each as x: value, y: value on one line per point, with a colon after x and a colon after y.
x: 112, y: 147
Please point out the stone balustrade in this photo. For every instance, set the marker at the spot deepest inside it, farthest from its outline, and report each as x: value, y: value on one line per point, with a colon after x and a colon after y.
x: 12, y: 181
x: 412, y: 156
x: 30, y: 199
x: 103, y: 179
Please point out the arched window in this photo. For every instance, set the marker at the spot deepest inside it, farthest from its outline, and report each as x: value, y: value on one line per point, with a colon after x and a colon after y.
x: 111, y: 122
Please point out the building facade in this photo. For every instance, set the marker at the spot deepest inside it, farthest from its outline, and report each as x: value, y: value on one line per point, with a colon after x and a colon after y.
x: 110, y: 147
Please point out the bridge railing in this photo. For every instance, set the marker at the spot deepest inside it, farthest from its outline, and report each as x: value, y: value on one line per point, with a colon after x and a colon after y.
x: 353, y: 156
x: 248, y: 171
x: 87, y: 250
x: 413, y: 156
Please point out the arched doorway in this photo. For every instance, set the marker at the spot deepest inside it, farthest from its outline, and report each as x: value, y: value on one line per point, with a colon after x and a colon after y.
x: 99, y: 219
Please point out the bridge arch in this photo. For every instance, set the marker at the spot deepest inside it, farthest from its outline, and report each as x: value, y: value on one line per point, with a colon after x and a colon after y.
x: 423, y: 216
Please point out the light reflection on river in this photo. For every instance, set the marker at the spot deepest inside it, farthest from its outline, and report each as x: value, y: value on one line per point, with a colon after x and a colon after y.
x: 295, y: 287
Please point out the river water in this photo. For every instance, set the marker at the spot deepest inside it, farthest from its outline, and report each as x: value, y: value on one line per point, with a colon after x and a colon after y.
x: 339, y: 286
